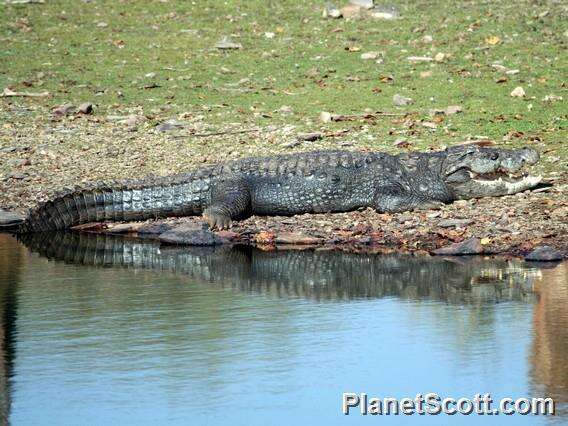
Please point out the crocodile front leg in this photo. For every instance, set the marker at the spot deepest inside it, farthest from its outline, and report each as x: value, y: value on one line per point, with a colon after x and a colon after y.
x: 393, y: 198
x: 230, y: 199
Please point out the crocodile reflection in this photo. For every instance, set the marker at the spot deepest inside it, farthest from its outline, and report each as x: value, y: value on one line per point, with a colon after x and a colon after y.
x: 317, y: 274
x: 10, y: 264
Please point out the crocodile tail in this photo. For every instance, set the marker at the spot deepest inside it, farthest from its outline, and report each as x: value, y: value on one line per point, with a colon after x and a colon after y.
x: 181, y: 195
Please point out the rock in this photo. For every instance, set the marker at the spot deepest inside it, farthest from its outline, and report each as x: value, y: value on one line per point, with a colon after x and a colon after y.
x: 351, y: 11
x: 402, y: 143
x: 365, y: 4
x: 191, y: 235
x: 370, y: 55
x: 291, y: 144
x: 86, y: 108
x: 458, y: 223
x: 63, y: 110
x: 512, y: 72
x: 400, y: 100
x: 19, y: 162
x: 325, y: 116
x: 427, y: 39
x: 385, y: 12
x: 153, y: 228
x: 420, y: 59
x: 331, y: 11
x: 121, y: 228
x: 10, y: 219
x: 296, y: 238
x: 450, y: 110
x: 226, y: 43
x: 170, y: 125
x: 434, y: 112
x: 544, y: 254
x: 227, y: 235
x: 18, y: 176
x: 440, y: 57
x: 518, y: 92
x: 552, y: 98
x: 429, y: 125
x: 469, y: 246
x: 453, y: 109
x: 310, y: 137
x: 404, y: 217
x: 425, y: 74
x: 499, y: 67
x: 130, y: 120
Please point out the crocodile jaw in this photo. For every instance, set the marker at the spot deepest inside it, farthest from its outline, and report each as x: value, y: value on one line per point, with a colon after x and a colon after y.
x: 509, y: 187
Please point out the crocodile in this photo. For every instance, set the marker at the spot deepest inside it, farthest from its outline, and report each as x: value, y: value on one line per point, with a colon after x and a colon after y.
x: 289, y: 184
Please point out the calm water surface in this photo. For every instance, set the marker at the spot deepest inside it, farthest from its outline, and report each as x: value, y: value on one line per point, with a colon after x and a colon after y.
x: 113, y: 331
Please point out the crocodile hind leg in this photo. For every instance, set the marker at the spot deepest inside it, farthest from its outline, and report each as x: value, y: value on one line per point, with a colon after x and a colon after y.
x: 230, y: 199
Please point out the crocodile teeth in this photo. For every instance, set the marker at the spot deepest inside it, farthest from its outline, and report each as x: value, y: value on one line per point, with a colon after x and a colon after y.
x: 513, y: 187
x: 525, y: 183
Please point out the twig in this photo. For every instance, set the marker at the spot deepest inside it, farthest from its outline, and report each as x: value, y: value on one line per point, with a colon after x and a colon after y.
x: 7, y: 93
x: 8, y: 2
x: 227, y: 132
x: 340, y: 117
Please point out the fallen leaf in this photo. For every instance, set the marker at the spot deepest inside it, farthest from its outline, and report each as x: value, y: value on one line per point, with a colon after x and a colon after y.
x: 493, y: 40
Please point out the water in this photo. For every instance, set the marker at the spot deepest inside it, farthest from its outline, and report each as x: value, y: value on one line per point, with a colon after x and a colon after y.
x: 115, y: 331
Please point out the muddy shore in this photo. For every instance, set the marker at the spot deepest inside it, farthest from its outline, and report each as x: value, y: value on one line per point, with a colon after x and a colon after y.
x: 73, y: 152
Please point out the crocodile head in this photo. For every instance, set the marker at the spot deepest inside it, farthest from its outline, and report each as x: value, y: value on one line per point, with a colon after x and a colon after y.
x: 472, y: 172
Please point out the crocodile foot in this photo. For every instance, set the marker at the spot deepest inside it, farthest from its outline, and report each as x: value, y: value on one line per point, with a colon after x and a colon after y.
x: 217, y: 220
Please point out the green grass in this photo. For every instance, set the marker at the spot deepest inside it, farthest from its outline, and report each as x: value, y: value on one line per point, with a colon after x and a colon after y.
x: 308, y: 66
